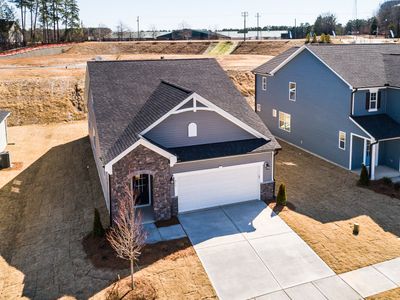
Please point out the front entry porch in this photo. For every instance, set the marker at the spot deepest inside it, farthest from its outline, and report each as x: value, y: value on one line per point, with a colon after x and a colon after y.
x: 382, y: 158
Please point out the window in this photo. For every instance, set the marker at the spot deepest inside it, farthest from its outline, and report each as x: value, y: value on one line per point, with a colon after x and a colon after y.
x: 274, y: 113
x: 264, y: 83
x: 373, y: 101
x: 258, y: 107
x: 342, y: 140
x: 292, y: 91
x: 284, y: 121
x: 192, y: 130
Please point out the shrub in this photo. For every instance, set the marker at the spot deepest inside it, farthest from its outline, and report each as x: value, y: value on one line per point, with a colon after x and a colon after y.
x: 322, y: 38
x: 281, y: 198
x: 308, y: 38
x: 397, y: 186
x: 364, y: 177
x: 387, y: 180
x: 328, y: 39
x: 98, y: 229
x: 314, y: 39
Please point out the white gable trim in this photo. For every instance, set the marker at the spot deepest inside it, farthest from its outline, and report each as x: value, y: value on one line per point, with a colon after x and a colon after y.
x: 297, y: 52
x: 209, y: 107
x: 366, y: 132
x: 145, y: 143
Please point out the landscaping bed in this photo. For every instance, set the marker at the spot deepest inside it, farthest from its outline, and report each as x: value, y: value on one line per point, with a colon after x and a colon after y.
x: 386, y: 187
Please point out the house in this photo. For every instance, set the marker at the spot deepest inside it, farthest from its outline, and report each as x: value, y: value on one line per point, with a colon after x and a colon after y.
x: 3, y: 129
x: 10, y: 34
x: 192, y: 34
x: 339, y: 102
x: 178, y: 133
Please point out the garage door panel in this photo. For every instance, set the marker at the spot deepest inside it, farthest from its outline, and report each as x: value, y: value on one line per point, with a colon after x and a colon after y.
x: 217, y: 187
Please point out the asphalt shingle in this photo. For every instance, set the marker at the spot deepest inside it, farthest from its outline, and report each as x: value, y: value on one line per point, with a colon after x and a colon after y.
x: 379, y: 126
x: 3, y: 115
x: 129, y: 96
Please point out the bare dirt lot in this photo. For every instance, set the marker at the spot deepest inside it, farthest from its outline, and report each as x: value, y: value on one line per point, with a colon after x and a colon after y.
x: 48, y: 89
x: 328, y: 202
x: 389, y: 295
x: 46, y: 208
x: 261, y: 48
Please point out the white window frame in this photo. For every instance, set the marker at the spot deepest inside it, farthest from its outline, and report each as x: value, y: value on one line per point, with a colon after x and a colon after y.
x: 342, y: 134
x: 258, y: 107
x: 286, y: 120
x: 274, y: 113
x: 264, y: 83
x: 375, y: 101
x: 292, y: 90
x: 192, y: 130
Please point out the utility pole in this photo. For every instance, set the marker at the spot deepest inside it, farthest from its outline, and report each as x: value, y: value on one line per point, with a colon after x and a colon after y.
x: 245, y: 14
x: 138, y: 28
x: 295, y: 30
x: 258, y: 16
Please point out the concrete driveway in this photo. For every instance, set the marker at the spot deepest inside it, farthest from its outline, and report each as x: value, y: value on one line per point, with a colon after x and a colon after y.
x: 249, y: 252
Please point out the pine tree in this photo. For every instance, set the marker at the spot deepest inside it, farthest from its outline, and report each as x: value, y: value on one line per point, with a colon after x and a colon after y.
x: 314, y: 39
x: 364, y: 177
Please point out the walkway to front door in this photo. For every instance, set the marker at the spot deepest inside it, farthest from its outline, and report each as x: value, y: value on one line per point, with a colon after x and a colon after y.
x: 248, y: 252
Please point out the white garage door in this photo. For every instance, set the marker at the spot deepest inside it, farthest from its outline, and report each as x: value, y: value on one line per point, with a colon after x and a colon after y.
x: 202, y: 189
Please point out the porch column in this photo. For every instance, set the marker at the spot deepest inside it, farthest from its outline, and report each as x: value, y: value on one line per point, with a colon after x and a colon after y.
x: 373, y: 161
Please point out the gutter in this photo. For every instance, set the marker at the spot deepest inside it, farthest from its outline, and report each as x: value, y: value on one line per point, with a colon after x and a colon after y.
x: 352, y: 101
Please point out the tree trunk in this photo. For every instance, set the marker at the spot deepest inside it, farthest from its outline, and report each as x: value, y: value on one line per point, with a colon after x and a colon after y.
x: 132, y: 271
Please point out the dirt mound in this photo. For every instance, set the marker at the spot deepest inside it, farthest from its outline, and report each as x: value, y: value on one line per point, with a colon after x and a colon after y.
x: 159, y: 47
x: 266, y: 47
x: 43, y: 100
x: 244, y: 81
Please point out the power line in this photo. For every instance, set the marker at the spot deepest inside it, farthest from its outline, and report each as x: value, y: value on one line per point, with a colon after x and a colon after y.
x: 245, y: 14
x: 258, y: 16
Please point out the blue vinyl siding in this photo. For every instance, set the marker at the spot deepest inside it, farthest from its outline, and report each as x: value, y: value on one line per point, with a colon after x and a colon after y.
x: 321, y: 110
x: 393, y: 105
x: 389, y: 153
x: 360, y: 99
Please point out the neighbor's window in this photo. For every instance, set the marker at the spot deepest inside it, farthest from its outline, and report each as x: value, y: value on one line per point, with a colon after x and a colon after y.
x: 342, y: 140
x: 274, y: 113
x: 292, y: 91
x: 284, y: 121
x: 192, y: 130
x: 264, y: 83
x: 373, y: 101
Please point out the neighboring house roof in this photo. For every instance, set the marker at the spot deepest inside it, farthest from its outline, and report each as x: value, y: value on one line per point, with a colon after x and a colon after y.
x: 380, y: 127
x: 4, y: 115
x: 129, y: 96
x: 214, y: 150
x: 359, y: 65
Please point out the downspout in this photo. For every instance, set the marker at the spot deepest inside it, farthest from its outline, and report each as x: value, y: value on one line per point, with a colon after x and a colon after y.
x: 352, y: 101
x: 276, y: 152
x: 370, y: 151
x: 109, y: 195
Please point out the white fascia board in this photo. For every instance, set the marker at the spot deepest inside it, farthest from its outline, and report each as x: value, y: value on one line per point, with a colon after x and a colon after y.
x: 209, y: 107
x: 145, y: 143
x: 230, y: 117
x: 366, y: 132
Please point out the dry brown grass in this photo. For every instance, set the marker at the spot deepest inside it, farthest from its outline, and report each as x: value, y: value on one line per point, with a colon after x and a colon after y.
x: 389, y: 295
x: 328, y: 203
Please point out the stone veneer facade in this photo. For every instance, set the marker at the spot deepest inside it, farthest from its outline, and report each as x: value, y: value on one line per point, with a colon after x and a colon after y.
x: 145, y: 161
x: 267, y: 191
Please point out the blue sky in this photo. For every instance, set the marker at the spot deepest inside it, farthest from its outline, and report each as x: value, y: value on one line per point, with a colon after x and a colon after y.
x: 216, y: 14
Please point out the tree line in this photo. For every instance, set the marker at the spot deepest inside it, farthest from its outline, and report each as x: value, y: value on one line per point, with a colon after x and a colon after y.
x: 46, y: 21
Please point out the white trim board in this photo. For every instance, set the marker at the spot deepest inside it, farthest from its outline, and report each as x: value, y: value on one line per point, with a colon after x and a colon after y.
x: 145, y: 143
x: 210, y: 106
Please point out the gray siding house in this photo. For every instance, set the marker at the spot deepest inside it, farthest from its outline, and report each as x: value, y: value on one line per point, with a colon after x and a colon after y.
x: 339, y: 102
x: 177, y: 133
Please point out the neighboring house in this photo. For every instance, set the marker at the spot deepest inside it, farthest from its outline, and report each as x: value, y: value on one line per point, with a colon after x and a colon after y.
x: 3, y: 129
x: 192, y: 34
x: 340, y: 102
x: 178, y: 133
x: 10, y: 34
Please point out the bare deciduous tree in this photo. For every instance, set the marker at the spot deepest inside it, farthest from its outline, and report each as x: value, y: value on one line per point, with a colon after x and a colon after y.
x: 127, y: 235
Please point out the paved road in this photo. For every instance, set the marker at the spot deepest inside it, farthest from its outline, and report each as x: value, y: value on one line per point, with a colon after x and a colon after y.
x: 249, y: 252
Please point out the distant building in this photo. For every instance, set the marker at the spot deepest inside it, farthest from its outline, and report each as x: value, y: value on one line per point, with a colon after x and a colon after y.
x: 193, y: 34
x: 10, y: 34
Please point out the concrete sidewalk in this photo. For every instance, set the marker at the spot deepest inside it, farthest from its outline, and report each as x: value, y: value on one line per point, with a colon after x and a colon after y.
x: 249, y: 252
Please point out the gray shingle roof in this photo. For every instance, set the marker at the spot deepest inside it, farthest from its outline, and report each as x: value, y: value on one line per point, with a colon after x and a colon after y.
x: 379, y: 126
x: 214, y: 150
x: 3, y: 115
x: 129, y: 96
x: 361, y: 65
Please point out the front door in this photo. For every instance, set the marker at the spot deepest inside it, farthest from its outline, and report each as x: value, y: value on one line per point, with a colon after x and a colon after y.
x: 142, y: 189
x: 368, y: 154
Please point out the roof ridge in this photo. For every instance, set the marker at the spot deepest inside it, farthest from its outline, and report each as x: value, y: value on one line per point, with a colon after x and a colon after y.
x: 152, y: 60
